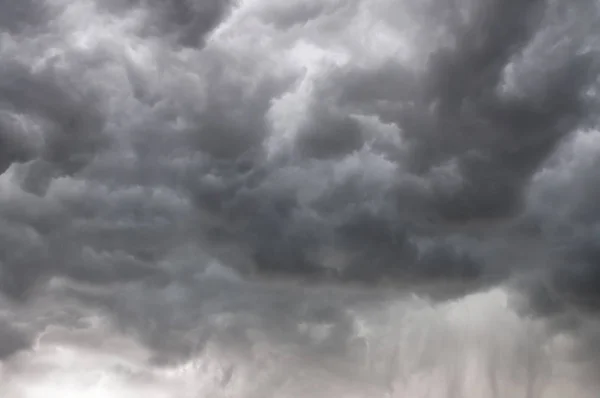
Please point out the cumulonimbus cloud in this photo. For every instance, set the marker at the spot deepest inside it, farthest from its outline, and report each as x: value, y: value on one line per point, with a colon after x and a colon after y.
x: 162, y: 161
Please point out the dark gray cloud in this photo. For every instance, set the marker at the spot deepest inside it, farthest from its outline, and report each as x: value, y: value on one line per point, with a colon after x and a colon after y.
x: 188, y: 20
x: 24, y: 15
x: 185, y: 22
x: 458, y: 113
x: 560, y: 206
x: 470, y: 142
x: 71, y: 122
x: 12, y: 340
x: 197, y: 168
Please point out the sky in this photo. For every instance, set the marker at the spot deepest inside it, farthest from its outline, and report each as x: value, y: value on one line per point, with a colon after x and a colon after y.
x: 324, y: 198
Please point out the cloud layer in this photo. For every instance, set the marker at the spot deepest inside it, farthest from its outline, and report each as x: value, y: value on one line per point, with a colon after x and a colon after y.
x: 167, y: 164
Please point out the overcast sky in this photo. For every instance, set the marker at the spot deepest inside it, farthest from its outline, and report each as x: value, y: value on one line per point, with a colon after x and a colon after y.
x: 263, y: 198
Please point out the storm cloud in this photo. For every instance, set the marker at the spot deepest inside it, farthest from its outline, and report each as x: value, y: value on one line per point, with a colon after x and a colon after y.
x: 289, y: 185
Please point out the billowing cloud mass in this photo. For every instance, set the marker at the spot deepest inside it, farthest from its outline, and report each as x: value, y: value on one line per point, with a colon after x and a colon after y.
x: 254, y: 198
